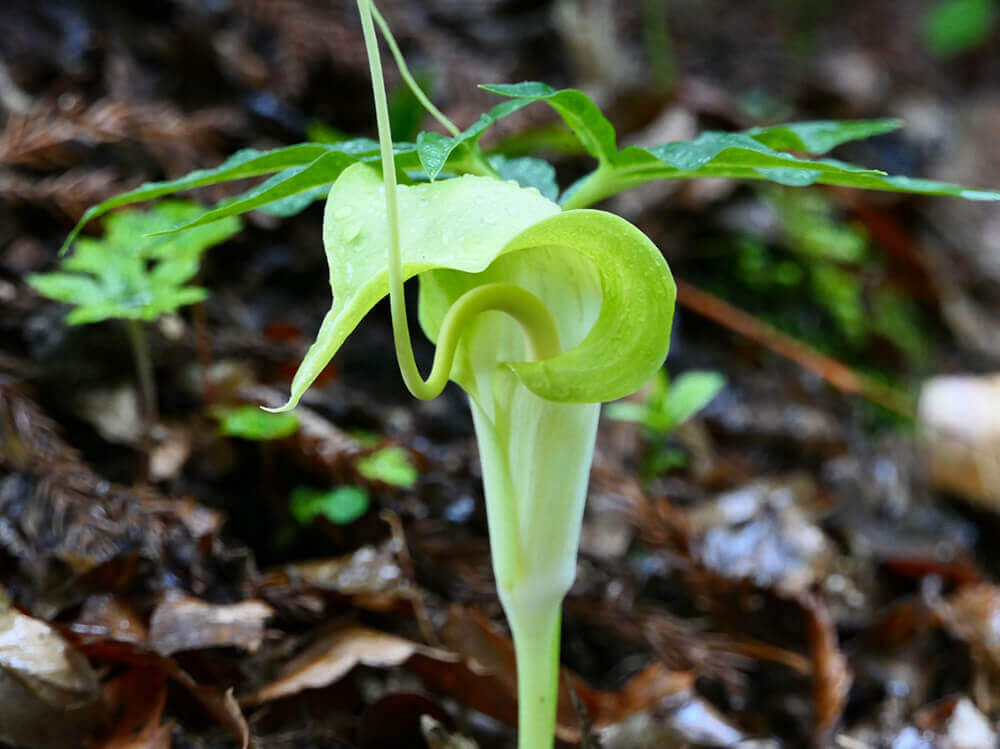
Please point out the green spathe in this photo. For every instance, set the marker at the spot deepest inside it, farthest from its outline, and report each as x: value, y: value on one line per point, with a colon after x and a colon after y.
x: 468, y: 224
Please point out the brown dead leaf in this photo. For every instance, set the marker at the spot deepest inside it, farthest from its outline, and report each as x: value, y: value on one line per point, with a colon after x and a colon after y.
x: 973, y: 616
x: 684, y: 722
x: 49, y: 695
x: 332, y: 656
x: 831, y: 676
x: 371, y: 576
x: 219, y: 704
x: 71, y: 192
x: 482, y: 674
x: 395, y: 720
x: 182, y: 622
x: 137, y: 699
x: 487, y: 651
x: 438, y: 737
x: 42, y: 138
x: 112, y: 617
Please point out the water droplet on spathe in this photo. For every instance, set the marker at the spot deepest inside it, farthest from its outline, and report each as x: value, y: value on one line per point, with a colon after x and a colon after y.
x: 343, y: 212
x: 351, y: 232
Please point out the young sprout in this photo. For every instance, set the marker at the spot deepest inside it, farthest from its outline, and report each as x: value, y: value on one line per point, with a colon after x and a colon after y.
x: 132, y: 276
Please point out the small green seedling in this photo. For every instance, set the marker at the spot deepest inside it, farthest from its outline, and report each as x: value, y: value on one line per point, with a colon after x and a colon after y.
x: 670, y: 404
x: 390, y: 465
x: 250, y: 423
x: 540, y: 309
x: 340, y: 506
x: 132, y: 276
x: 952, y: 27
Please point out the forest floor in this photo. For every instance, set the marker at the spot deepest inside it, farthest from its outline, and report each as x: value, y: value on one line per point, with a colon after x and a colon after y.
x: 781, y: 570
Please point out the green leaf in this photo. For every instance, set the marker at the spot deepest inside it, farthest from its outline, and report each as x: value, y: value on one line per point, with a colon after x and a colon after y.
x: 580, y: 113
x: 466, y: 224
x: 726, y: 151
x: 288, y: 183
x: 670, y: 404
x: 341, y: 506
x: 690, y: 393
x: 242, y: 164
x: 528, y: 172
x: 295, y: 204
x: 130, y: 274
x: 390, y: 465
x: 820, y: 136
x: 955, y: 26
x: 251, y: 423
x: 69, y: 288
x: 740, y: 156
x: 434, y: 149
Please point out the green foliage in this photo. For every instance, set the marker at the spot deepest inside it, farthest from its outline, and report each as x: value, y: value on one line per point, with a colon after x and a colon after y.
x: 578, y: 111
x: 835, y: 252
x: 528, y: 172
x: 303, y: 173
x: 251, y: 423
x: 820, y: 136
x: 434, y: 149
x: 340, y: 506
x: 955, y: 26
x: 812, y: 228
x: 390, y: 465
x: 133, y: 273
x: 750, y: 155
x: 670, y: 404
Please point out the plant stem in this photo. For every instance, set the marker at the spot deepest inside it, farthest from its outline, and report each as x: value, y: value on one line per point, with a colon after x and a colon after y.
x: 592, y: 189
x: 536, y: 647
x: 404, y: 71
x: 147, y: 386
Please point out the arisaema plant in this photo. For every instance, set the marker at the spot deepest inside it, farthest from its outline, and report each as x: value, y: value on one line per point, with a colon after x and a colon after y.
x: 541, y: 309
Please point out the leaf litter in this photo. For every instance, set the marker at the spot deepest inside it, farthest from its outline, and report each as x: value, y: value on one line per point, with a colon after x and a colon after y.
x: 796, y: 581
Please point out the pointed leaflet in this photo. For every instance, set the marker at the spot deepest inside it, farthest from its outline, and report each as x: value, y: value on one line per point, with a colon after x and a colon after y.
x: 286, y: 184
x: 465, y: 224
x: 435, y: 149
x: 583, y: 116
x: 528, y: 172
x: 740, y: 156
x: 820, y: 136
x: 242, y: 164
x: 291, y: 161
